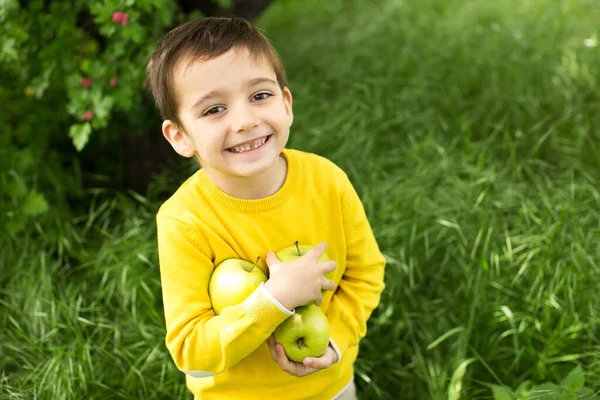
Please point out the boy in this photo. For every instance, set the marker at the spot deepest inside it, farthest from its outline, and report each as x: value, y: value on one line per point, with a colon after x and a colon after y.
x: 223, y: 96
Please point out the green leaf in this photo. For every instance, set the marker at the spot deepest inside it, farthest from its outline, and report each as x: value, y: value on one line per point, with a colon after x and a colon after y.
x: 84, y: 65
x: 9, y: 49
x: 546, y: 391
x: 41, y: 82
x: 456, y: 382
x: 224, y: 3
x: 8, y: 6
x: 102, y: 107
x: 97, y: 69
x: 90, y: 48
x: 587, y: 394
x: 565, y: 395
x: 136, y: 33
x: 80, y: 133
x: 575, y: 380
x: 34, y: 204
x: 108, y: 30
x: 502, y: 393
x: 445, y: 336
x: 524, y: 387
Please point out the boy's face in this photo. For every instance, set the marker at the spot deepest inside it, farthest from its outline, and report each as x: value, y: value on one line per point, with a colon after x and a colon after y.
x: 228, y: 105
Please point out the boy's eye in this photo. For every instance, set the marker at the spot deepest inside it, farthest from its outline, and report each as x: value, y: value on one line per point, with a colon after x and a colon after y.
x: 213, y: 110
x: 261, y: 96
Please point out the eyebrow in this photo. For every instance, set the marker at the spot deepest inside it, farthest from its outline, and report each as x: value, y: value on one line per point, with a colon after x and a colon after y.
x: 216, y: 93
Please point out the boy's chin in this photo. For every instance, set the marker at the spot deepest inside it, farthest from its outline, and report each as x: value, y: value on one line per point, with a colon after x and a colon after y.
x: 257, y: 167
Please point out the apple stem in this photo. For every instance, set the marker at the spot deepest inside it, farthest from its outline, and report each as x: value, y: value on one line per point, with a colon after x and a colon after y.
x: 297, y: 247
x: 255, y: 262
x: 253, y: 265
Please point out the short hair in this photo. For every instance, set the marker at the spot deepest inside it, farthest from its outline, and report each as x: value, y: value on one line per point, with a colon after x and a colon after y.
x: 204, y: 39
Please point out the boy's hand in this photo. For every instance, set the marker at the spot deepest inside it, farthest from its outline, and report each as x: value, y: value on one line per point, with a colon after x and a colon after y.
x: 310, y: 364
x: 297, y: 283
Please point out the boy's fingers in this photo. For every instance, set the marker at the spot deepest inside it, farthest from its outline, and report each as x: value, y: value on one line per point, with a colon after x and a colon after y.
x: 273, y: 348
x: 272, y: 261
x: 319, y: 300
x: 284, y: 363
x: 329, y: 266
x: 315, y: 363
x: 317, y: 250
x: 328, y: 284
x: 278, y: 354
x: 324, y: 361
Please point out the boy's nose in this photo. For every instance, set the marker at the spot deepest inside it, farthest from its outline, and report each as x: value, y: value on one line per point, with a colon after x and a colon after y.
x: 245, y: 119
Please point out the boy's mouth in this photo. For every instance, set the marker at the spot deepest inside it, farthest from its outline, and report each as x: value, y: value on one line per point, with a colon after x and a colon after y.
x: 250, y: 146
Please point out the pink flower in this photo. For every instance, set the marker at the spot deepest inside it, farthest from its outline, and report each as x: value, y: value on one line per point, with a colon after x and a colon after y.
x: 113, y: 82
x: 87, y: 115
x: 118, y: 16
x: 86, y: 82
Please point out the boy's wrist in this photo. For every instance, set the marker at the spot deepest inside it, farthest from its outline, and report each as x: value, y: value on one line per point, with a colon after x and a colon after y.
x: 270, y: 287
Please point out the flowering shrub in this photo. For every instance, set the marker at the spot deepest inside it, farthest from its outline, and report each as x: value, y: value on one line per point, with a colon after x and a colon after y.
x: 69, y: 69
x: 66, y: 68
x: 94, y: 52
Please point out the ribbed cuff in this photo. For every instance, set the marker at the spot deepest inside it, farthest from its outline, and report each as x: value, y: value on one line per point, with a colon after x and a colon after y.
x: 337, y: 350
x: 265, y: 314
x: 274, y: 300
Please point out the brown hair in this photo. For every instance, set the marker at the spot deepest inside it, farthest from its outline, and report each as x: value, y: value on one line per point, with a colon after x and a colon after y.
x: 203, y: 39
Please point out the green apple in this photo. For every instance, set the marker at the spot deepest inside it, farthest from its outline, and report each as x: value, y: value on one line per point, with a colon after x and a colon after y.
x: 232, y: 281
x: 296, y: 251
x: 304, y: 334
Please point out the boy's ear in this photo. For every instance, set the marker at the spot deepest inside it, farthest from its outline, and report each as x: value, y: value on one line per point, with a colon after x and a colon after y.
x: 180, y: 142
x: 287, y: 100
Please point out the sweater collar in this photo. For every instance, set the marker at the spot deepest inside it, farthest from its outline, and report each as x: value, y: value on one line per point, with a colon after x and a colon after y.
x: 255, y: 205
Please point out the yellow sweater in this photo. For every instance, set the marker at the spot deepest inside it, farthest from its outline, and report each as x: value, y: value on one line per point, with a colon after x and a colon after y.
x: 226, y: 356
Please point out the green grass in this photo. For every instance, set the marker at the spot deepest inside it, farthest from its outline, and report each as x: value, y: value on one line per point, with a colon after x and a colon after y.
x: 470, y: 129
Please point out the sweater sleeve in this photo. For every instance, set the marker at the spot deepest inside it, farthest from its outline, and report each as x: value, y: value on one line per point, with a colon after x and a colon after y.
x: 200, y: 342
x: 361, y: 285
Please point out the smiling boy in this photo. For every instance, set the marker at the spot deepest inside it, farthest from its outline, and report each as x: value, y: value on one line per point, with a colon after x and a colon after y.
x: 223, y: 97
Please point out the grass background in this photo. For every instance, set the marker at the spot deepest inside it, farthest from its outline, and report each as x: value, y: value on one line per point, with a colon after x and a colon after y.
x: 471, y: 131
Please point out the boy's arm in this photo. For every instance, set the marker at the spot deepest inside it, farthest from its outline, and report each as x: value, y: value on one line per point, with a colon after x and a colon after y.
x: 361, y: 285
x: 201, y: 343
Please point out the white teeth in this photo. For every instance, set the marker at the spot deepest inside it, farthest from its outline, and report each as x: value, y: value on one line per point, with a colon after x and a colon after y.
x: 251, y: 146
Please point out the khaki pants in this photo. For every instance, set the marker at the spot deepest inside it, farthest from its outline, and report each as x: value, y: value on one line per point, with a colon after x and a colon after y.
x: 349, y: 393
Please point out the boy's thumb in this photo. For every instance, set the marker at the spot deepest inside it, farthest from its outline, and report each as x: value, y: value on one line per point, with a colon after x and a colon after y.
x: 271, y: 259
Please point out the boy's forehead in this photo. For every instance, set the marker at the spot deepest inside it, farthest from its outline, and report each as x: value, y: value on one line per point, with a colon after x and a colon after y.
x: 209, y: 69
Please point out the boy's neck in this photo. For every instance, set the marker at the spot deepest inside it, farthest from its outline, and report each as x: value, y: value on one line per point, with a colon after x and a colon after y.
x: 258, y: 187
